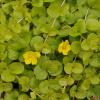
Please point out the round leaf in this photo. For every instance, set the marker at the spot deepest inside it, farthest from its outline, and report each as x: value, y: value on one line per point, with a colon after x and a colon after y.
x: 77, y: 68
x: 7, y: 76
x: 16, y: 68
x: 40, y: 73
x: 44, y: 87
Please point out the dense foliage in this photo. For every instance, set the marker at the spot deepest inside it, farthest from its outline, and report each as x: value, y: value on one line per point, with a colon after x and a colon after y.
x: 49, y: 49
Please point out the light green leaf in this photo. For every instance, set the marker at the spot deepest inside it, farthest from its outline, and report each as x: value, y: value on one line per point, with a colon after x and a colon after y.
x: 40, y: 73
x: 55, y: 9
x: 76, y: 47
x: 16, y: 68
x: 70, y: 80
x: 7, y: 76
x: 55, y: 68
x: 23, y: 97
x: 85, y: 44
x: 77, y: 76
x: 80, y: 94
x: 44, y: 87
x: 12, y: 54
x: 95, y: 60
x: 48, y: 0
x: 85, y: 84
x: 73, y: 91
x: 77, y: 68
x: 33, y: 95
x: 93, y: 25
x: 68, y: 68
x: 54, y: 84
x: 37, y: 43
x: 37, y: 3
x: 95, y: 80
x: 24, y: 81
x: 6, y: 87
x: 13, y: 95
x: 34, y: 83
x: 3, y: 66
x: 67, y: 59
x: 63, y: 82
x: 85, y: 56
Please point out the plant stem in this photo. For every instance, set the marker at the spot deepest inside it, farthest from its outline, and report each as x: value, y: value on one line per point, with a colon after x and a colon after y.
x: 86, y: 14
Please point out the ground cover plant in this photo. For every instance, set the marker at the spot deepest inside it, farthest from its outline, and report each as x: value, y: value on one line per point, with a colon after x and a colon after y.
x: 49, y: 49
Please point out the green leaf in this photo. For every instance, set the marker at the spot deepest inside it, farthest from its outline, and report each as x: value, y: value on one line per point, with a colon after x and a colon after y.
x: 76, y: 47
x: 95, y: 60
x: 96, y: 90
x: 95, y: 80
x: 40, y: 73
x: 94, y: 4
x: 23, y: 96
x: 64, y: 97
x: 93, y: 25
x: 44, y: 87
x: 37, y: 43
x: 37, y: 3
x: 85, y: 84
x: 24, y: 81
x: 93, y: 41
x: 5, y: 33
x: 55, y: 68
x: 73, y: 91
x: 7, y: 76
x: 74, y: 32
x: 85, y: 56
x: 3, y: 66
x: 80, y: 3
x: 2, y: 17
x: 81, y: 26
x: 77, y: 68
x: 70, y: 80
x: 41, y: 11
x: 85, y: 44
x: 46, y: 49
x: 80, y: 94
x: 12, y: 54
x: 54, y: 84
x: 14, y: 26
x: 90, y: 71
x: 48, y: 0
x: 67, y: 59
x: 55, y: 9
x: 33, y: 95
x: 16, y: 68
x: 63, y: 82
x: 77, y: 76
x: 68, y: 68
x: 13, y: 95
x: 5, y: 87
x: 34, y: 83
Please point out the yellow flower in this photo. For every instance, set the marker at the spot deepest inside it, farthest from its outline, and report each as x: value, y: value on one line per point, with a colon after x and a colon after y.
x: 64, y: 47
x: 31, y: 57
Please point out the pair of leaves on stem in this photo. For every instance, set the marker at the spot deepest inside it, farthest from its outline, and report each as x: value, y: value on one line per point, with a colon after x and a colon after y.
x: 91, y: 43
x: 74, y: 67
x: 52, y: 67
x: 11, y: 71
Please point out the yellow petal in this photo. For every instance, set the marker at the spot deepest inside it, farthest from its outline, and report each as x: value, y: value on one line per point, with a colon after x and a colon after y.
x: 34, y: 61
x: 27, y: 61
x: 64, y: 47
